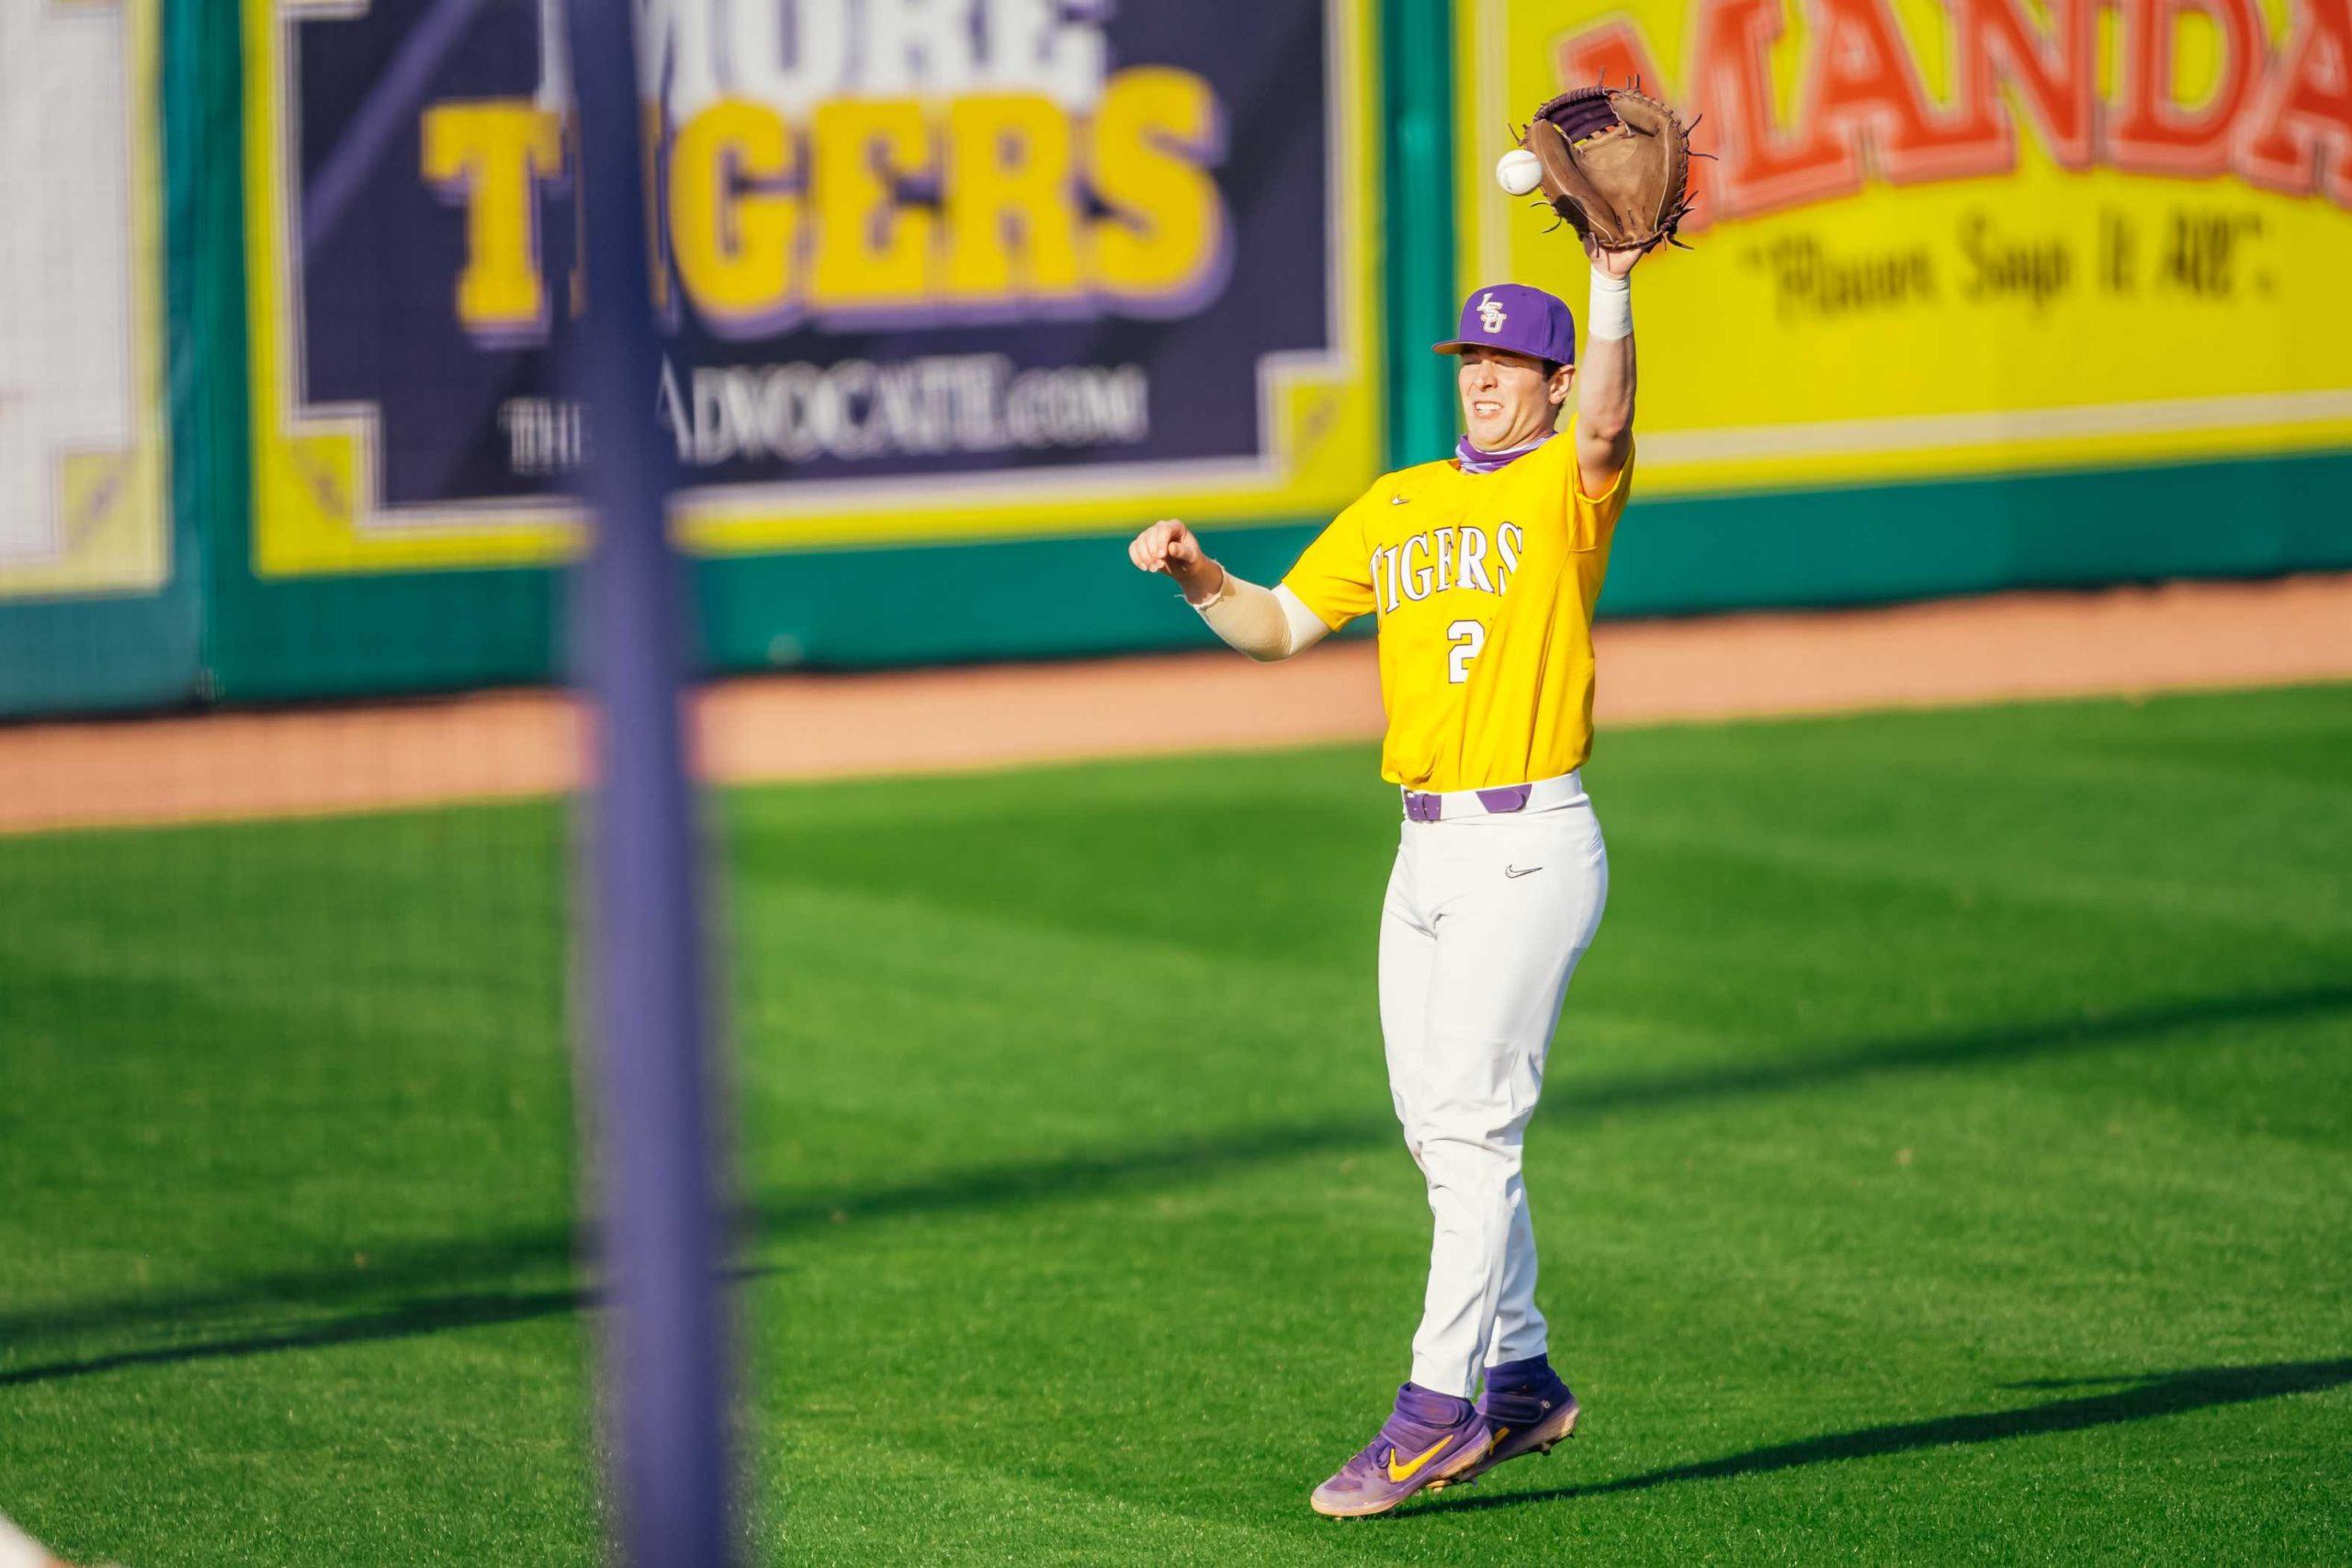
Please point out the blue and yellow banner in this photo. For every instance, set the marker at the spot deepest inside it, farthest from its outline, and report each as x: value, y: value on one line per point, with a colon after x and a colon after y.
x: 1003, y: 268
x: 1951, y: 238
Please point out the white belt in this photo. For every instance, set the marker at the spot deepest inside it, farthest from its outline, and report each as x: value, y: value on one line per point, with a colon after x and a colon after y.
x: 1427, y: 806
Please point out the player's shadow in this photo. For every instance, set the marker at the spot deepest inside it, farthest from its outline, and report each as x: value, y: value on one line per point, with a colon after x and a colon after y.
x: 2150, y: 1395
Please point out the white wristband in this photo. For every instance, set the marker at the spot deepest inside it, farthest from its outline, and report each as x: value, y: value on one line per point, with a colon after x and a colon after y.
x: 1611, y: 315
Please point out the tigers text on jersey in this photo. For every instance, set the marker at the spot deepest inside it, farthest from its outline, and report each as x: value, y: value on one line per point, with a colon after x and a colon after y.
x: 1484, y: 585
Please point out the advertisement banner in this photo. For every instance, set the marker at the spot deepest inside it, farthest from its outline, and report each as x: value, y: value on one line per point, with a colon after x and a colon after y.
x: 82, y: 417
x: 931, y: 270
x: 1950, y: 238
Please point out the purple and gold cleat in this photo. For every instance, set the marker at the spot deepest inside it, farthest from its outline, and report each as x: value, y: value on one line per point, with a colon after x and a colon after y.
x: 1427, y: 1440
x: 1525, y: 1408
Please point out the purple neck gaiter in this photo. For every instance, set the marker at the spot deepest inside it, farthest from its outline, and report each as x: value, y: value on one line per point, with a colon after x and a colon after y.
x: 1476, y: 462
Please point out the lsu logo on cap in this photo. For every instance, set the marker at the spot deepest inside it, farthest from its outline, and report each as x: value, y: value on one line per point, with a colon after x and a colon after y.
x: 1490, y: 315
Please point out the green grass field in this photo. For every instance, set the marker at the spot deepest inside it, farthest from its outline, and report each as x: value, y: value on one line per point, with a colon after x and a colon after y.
x: 1947, y: 1154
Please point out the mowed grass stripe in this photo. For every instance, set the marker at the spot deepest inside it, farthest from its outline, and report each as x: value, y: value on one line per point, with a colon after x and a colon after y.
x: 1945, y: 1152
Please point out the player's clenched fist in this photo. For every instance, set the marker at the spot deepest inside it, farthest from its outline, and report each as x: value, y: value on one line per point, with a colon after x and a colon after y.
x: 1169, y: 547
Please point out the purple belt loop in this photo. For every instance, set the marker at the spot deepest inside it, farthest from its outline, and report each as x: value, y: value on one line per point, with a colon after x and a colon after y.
x: 1509, y: 797
x: 1421, y: 807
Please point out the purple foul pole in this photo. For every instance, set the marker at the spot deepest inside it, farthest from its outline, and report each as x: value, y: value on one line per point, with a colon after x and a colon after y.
x: 665, y: 1361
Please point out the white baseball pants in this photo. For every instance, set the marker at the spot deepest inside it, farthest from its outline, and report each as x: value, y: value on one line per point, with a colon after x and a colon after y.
x: 1486, y: 917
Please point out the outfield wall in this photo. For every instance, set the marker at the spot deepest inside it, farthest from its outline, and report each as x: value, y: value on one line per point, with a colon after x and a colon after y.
x: 1966, y: 313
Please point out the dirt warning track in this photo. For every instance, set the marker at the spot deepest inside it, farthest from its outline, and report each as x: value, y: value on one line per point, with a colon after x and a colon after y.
x: 512, y: 744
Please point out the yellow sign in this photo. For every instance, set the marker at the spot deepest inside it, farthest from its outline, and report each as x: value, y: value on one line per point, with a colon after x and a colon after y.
x: 1956, y: 237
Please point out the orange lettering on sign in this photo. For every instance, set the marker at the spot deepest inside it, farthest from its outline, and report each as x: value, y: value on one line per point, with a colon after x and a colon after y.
x: 2302, y: 134
x: 2159, y: 135
x: 1863, y: 88
x: 2053, y: 74
x: 2279, y: 118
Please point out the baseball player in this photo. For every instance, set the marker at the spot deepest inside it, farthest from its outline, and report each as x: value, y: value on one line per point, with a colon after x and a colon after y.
x: 1483, y: 570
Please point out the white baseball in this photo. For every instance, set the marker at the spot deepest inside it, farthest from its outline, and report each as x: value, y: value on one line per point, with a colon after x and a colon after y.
x: 1518, y: 171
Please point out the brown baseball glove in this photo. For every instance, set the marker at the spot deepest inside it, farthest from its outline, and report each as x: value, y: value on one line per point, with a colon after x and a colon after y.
x: 1616, y: 166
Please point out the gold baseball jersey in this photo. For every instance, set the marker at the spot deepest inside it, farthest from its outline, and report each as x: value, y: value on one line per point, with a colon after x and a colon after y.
x: 1485, y: 586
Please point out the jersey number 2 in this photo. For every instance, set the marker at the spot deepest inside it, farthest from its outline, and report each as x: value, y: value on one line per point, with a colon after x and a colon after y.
x: 1465, y: 637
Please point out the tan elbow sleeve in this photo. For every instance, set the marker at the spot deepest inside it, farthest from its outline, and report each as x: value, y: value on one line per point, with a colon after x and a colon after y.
x: 1249, y: 619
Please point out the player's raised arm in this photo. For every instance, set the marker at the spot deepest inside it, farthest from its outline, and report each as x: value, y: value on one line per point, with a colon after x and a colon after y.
x: 1615, y: 165
x: 1267, y: 624
x: 1605, y: 379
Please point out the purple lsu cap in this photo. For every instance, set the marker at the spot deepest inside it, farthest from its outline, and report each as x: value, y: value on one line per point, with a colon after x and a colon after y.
x: 1513, y: 316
